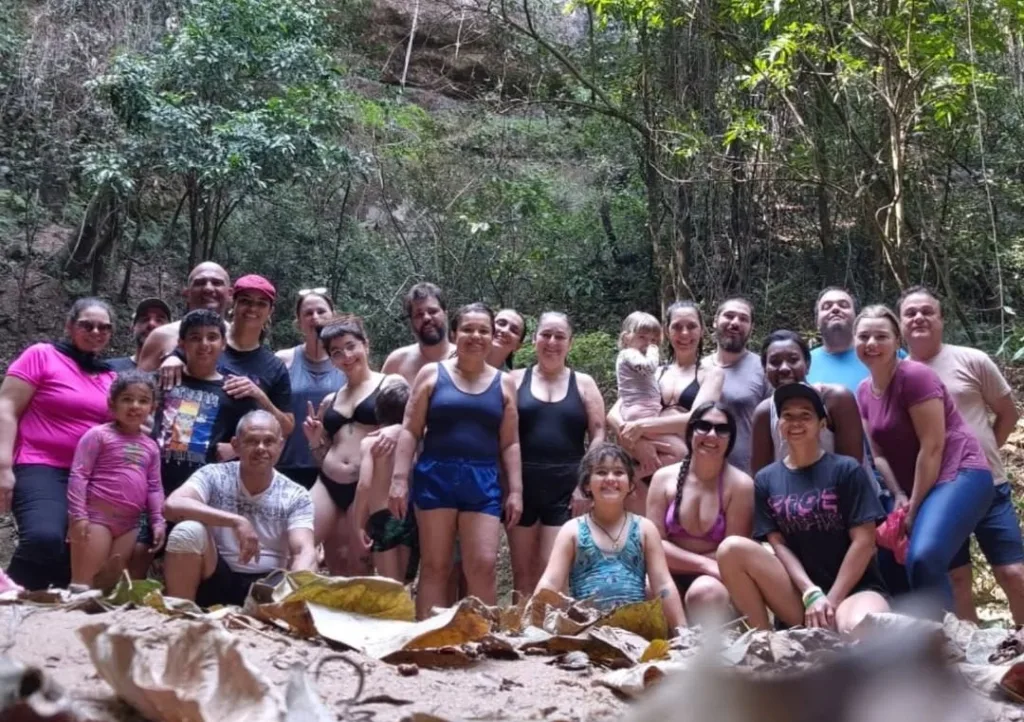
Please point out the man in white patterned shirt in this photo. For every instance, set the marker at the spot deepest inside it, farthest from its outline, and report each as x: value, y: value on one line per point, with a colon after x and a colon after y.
x: 238, y: 521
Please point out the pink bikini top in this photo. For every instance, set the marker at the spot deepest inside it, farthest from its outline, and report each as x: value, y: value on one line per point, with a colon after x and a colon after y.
x: 714, y: 535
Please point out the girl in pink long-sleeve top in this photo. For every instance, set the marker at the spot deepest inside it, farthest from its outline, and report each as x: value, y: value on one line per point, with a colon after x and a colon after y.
x: 115, y: 478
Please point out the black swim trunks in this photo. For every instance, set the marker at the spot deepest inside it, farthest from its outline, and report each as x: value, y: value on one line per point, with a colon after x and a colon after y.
x: 547, y: 493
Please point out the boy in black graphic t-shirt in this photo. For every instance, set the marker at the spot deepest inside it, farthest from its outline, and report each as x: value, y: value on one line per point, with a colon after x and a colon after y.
x: 818, y: 511
x: 195, y: 420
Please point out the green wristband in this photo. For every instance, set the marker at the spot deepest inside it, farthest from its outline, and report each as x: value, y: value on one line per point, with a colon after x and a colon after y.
x: 813, y: 597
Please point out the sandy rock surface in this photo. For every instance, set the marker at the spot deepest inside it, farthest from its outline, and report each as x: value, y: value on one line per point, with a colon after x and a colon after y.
x: 528, y: 688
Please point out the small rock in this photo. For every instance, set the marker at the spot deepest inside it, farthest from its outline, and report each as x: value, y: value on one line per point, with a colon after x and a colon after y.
x: 408, y: 670
x: 574, y: 661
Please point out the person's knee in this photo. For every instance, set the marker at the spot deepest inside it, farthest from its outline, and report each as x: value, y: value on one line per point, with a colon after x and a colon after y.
x: 926, y: 564
x: 735, y: 550
x: 42, y: 543
x: 479, y: 566
x: 706, y: 592
x: 188, y: 537
x: 1010, y: 576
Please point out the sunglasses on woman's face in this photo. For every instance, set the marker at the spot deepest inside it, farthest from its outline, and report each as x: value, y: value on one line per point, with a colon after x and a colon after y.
x: 90, y: 326
x: 706, y: 427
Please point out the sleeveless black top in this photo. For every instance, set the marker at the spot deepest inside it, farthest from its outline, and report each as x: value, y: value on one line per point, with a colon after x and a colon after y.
x: 551, y: 432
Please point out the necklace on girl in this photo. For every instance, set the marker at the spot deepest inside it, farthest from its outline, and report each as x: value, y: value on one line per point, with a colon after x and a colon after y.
x: 615, y: 539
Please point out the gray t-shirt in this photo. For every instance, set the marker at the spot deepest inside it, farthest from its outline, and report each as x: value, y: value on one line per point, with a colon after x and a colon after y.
x: 743, y: 389
x: 283, y: 506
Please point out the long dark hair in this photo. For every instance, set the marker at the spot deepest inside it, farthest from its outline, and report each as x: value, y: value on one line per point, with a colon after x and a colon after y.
x: 684, y: 466
x: 679, y: 306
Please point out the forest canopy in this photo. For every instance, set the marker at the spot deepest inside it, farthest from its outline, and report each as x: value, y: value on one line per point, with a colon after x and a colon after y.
x: 596, y: 156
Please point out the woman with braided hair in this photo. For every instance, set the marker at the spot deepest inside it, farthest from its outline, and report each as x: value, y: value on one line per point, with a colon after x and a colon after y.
x: 697, y: 503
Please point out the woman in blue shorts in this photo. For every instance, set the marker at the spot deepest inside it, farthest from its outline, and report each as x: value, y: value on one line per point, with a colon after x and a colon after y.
x: 465, y: 412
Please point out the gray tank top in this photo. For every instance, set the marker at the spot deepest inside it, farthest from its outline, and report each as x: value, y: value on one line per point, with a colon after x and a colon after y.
x: 311, y: 381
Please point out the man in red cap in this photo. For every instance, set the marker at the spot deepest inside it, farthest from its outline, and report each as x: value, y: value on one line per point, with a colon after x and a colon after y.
x: 208, y: 286
x: 150, y: 314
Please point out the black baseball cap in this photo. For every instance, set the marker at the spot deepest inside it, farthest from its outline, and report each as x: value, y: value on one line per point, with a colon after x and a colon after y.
x: 148, y: 303
x: 799, y: 391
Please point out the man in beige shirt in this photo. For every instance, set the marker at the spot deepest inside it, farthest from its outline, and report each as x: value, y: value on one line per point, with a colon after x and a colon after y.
x: 985, y: 401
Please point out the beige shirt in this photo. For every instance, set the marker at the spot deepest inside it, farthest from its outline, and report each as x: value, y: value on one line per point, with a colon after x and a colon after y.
x: 976, y: 385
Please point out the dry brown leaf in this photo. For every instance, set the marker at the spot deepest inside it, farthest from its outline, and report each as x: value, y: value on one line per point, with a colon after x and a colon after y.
x: 606, y: 646
x: 420, y: 642
x: 644, y: 618
x: 633, y: 681
x: 376, y: 597
x: 205, y: 677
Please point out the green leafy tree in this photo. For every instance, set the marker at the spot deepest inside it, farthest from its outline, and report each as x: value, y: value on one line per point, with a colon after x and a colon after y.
x: 240, y: 97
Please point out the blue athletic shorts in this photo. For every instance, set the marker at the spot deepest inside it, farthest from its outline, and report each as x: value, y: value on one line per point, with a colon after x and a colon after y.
x: 469, y: 485
x: 998, y: 533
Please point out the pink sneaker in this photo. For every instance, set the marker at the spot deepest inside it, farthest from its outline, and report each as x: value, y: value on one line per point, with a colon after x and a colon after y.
x: 7, y: 584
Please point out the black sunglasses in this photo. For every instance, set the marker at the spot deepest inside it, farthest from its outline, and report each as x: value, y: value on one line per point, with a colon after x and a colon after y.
x: 706, y: 427
x: 90, y: 326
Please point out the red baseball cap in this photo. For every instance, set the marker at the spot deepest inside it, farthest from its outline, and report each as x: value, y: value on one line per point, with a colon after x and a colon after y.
x: 252, y: 282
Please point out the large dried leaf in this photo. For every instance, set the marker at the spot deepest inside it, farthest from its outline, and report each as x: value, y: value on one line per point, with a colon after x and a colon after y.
x: 204, y: 678
x: 431, y: 642
x: 376, y: 597
x: 634, y: 681
x: 606, y: 646
x: 644, y: 618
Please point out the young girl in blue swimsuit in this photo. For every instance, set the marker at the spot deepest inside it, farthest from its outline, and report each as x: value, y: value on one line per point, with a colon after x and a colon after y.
x: 608, y: 555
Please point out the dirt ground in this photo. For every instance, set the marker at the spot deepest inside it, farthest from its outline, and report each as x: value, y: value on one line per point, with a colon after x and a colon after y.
x: 526, y: 689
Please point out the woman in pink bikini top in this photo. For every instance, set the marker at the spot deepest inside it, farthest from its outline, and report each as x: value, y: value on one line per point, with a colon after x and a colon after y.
x: 697, y: 503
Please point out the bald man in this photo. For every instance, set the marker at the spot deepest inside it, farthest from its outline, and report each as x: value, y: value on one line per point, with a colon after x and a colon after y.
x: 209, y: 287
x: 238, y: 521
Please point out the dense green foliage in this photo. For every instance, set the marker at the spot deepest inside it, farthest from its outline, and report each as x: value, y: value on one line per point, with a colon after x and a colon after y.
x: 612, y: 159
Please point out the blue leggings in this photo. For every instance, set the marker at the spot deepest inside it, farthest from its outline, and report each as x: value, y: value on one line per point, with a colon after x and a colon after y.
x: 947, y: 518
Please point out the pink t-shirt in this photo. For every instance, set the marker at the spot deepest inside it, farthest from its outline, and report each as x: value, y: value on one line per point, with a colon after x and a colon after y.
x: 67, y: 403
x: 116, y: 472
x: 892, y: 430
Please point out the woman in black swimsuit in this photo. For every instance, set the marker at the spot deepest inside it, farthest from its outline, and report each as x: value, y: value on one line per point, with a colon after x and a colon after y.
x: 335, y: 432
x: 561, y: 415
x: 684, y: 383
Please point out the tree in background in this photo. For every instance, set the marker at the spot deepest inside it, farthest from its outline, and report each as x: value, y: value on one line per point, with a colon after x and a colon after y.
x: 241, y: 97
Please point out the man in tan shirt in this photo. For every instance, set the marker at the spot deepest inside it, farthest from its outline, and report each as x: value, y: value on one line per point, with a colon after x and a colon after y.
x: 985, y: 401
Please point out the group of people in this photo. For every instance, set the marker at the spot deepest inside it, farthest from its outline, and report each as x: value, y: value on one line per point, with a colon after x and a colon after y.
x: 741, y: 484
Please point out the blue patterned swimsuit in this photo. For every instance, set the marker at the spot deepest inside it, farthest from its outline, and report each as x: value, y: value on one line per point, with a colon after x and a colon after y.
x: 609, y: 580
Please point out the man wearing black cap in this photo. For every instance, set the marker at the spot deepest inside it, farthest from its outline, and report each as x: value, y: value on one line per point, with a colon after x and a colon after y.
x: 150, y: 314
x: 818, y: 511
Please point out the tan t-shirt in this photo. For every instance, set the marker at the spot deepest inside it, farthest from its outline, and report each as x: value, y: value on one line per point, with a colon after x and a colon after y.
x: 976, y: 385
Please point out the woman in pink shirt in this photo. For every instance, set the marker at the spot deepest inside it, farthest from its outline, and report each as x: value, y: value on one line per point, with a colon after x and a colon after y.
x: 52, y: 394
x: 928, y: 456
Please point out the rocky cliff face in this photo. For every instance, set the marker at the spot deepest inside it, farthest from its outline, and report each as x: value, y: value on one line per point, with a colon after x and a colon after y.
x: 461, y: 48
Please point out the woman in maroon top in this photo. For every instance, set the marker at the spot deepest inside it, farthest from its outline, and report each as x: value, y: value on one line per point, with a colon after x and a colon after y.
x: 928, y: 456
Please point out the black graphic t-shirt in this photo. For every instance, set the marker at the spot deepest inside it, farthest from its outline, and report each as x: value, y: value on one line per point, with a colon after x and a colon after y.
x: 264, y: 369
x: 190, y: 420
x: 814, y: 508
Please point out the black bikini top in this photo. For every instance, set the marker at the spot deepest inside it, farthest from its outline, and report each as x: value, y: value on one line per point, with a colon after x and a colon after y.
x: 688, y: 395
x: 364, y: 413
